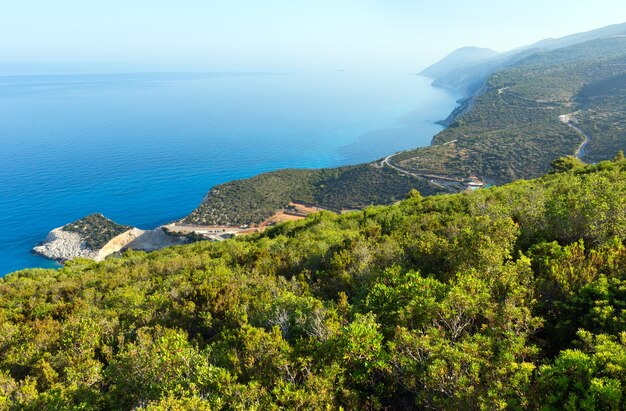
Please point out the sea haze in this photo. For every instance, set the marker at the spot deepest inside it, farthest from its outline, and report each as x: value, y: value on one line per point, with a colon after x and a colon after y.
x: 143, y: 149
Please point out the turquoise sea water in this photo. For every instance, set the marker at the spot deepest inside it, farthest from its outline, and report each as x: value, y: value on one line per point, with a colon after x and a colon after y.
x: 143, y: 149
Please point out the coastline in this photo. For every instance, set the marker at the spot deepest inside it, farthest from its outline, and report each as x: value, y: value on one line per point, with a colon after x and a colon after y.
x: 131, y: 219
x: 181, y: 232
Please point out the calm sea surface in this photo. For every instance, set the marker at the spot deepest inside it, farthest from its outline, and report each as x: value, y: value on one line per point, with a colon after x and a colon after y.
x: 143, y: 149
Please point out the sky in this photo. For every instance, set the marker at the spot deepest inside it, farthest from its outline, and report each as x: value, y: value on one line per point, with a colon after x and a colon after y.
x: 206, y: 34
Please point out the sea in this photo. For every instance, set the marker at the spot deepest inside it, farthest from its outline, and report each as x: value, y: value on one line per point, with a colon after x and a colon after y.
x: 144, y: 148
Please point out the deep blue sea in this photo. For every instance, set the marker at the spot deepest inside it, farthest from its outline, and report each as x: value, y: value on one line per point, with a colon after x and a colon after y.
x: 143, y: 149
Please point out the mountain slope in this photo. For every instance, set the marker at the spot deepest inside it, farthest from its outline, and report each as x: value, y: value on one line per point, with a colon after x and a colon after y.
x: 513, y: 130
x: 572, y: 39
x: 252, y: 200
x: 601, y: 115
x: 510, y: 297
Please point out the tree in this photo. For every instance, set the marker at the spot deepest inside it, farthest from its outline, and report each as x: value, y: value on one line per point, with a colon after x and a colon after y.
x: 566, y: 163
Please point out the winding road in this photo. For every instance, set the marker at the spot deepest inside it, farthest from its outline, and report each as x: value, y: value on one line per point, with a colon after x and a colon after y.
x: 569, y: 120
x: 428, y: 177
x: 388, y: 164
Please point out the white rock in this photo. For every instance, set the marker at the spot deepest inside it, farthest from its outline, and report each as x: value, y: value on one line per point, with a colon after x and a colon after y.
x: 64, y: 245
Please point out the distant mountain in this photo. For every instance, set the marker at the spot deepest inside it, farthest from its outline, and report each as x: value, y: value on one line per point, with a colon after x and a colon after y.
x: 608, y: 31
x: 468, y: 76
x: 462, y: 57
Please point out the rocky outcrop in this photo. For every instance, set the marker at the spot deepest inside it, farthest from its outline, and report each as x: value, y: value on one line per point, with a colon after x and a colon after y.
x: 63, y: 244
x: 119, y: 243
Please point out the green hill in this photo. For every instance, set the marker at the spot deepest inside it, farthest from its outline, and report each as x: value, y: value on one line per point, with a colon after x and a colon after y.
x: 509, y: 297
x: 345, y: 188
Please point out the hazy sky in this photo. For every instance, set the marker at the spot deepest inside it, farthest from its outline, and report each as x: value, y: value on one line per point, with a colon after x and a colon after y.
x: 200, y: 34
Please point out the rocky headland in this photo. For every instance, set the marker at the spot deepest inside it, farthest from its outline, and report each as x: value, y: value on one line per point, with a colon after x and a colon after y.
x: 96, y: 237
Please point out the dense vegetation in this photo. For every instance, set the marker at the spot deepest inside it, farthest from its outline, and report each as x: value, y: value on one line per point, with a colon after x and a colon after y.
x: 510, y: 297
x: 509, y: 130
x: 602, y: 115
x: 96, y: 230
x: 345, y: 188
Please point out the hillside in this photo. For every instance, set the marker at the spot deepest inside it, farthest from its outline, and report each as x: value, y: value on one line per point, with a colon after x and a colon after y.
x: 601, y: 115
x: 524, y: 117
x: 345, y: 188
x: 510, y: 297
x: 513, y: 130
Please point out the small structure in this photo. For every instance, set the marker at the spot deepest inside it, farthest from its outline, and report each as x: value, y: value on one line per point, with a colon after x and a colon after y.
x: 474, y: 183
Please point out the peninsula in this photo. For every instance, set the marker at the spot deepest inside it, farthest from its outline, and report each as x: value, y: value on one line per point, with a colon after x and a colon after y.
x: 96, y: 237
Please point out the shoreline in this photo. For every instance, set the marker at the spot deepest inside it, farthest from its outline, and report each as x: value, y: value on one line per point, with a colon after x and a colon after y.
x: 221, y: 232
x: 462, y: 104
x: 454, y: 113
